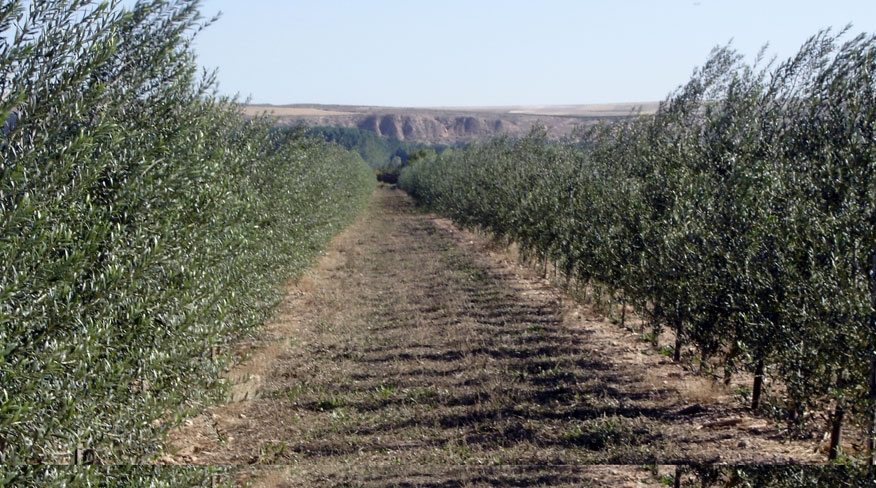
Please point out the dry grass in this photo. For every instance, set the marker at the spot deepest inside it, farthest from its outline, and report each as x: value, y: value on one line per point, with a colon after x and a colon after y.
x: 419, y: 354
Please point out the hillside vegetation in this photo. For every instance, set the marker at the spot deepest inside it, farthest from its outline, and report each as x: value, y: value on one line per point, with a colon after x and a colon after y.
x: 741, y: 216
x: 145, y: 223
x: 387, y: 156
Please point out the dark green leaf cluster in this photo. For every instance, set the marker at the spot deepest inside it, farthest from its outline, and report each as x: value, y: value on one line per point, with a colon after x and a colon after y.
x: 379, y: 152
x: 742, y: 215
x: 755, y: 476
x: 144, y: 224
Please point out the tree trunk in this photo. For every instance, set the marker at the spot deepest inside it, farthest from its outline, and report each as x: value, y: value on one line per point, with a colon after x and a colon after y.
x: 678, y: 319
x: 871, y: 427
x: 836, y: 432
x: 655, y: 324
x: 837, y: 418
x: 758, y: 385
x: 794, y: 416
x: 679, y: 341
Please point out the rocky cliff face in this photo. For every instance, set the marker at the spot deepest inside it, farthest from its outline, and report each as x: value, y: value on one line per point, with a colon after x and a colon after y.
x: 444, y: 126
x: 437, y: 128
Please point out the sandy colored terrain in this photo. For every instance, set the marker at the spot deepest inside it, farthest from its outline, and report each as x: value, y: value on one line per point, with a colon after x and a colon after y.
x: 451, y: 125
x: 591, y: 110
x: 587, y: 110
x: 292, y: 111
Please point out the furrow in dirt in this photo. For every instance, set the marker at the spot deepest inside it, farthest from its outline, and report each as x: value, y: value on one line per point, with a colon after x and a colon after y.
x: 415, y: 350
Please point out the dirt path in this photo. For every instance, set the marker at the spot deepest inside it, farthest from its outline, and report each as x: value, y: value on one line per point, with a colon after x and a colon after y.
x: 413, y: 353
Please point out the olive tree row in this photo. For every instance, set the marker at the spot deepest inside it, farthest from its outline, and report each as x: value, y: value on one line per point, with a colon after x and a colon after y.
x: 741, y: 215
x: 144, y: 224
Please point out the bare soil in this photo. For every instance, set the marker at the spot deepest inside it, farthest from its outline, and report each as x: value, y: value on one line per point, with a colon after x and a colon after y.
x: 419, y: 354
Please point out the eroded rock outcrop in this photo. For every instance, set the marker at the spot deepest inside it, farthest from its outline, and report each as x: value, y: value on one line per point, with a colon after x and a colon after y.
x: 445, y: 126
x: 431, y: 128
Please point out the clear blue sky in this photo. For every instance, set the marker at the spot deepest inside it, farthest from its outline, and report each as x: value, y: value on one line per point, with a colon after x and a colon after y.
x: 420, y: 53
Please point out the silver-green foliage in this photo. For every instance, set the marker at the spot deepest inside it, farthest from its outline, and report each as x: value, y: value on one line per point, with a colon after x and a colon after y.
x: 742, y: 214
x: 144, y: 223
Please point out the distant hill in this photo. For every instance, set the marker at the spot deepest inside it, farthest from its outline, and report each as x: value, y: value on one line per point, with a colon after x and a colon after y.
x: 449, y: 125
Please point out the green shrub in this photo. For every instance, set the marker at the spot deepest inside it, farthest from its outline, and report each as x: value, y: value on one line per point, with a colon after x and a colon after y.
x: 144, y: 223
x: 742, y: 215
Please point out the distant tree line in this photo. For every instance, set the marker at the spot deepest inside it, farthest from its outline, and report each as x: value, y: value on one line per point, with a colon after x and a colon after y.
x: 387, y: 156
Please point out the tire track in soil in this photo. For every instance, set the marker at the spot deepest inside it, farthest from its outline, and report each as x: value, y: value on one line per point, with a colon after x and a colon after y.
x: 415, y: 353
